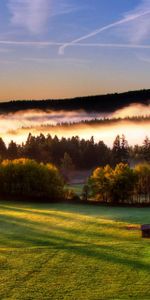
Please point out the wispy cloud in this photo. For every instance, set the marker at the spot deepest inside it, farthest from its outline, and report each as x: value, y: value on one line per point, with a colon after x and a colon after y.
x: 3, y: 50
x: 143, y: 58
x: 142, y: 12
x: 139, y: 30
x: 6, y: 62
x: 63, y: 7
x: 30, y: 14
x: 34, y: 14
x: 69, y: 61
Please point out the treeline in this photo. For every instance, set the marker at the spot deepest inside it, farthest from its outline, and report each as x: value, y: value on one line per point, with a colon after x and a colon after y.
x: 119, y: 185
x: 82, y: 154
x: 99, y: 103
x: 26, y: 180
x: 102, y: 121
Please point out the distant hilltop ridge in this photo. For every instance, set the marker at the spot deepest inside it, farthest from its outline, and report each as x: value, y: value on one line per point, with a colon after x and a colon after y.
x: 99, y: 103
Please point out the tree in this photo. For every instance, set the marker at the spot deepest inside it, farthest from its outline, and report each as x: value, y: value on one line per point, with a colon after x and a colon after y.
x: 124, y: 149
x: 3, y: 150
x: 85, y: 192
x: 100, y: 183
x: 124, y: 180
x: 146, y: 149
x: 12, y: 150
x: 113, y: 185
x: 143, y: 183
x: 30, y: 180
x: 67, y: 166
x: 120, y: 150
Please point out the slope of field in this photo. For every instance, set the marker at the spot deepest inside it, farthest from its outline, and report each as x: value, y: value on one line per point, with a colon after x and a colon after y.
x: 60, y: 251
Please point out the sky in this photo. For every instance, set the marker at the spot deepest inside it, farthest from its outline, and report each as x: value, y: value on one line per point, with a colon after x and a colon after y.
x: 68, y: 48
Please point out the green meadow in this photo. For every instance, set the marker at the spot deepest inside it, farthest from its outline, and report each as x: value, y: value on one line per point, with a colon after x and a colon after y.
x: 60, y: 251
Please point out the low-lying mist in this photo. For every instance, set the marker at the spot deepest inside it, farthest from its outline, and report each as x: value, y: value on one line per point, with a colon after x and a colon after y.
x: 16, y: 126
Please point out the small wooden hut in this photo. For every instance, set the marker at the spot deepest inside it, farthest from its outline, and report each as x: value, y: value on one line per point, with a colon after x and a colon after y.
x: 145, y: 230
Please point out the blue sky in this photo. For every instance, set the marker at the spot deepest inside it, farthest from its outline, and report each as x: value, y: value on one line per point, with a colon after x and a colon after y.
x: 67, y: 48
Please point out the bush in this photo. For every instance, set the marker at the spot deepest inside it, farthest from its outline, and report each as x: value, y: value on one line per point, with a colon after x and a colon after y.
x: 121, y: 185
x: 124, y: 180
x: 27, y: 178
x: 143, y: 183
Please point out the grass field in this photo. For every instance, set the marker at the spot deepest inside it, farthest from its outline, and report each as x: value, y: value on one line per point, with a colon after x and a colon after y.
x: 60, y: 251
x: 76, y: 188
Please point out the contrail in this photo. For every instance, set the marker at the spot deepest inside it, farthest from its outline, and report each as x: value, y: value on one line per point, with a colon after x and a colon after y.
x: 30, y: 43
x: 99, y: 30
x: 111, y: 45
x: 61, y: 44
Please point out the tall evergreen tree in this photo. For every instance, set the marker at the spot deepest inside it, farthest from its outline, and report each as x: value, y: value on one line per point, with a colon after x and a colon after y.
x: 146, y: 149
x: 3, y: 150
x: 12, y: 150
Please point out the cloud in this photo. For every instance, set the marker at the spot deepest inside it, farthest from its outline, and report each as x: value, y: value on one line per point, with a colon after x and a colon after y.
x: 68, y: 61
x: 34, y: 14
x: 17, y: 125
x: 142, y: 12
x: 132, y: 110
x: 6, y: 62
x: 2, y: 50
x: 138, y: 31
x: 143, y: 58
x: 63, y: 7
x: 30, y: 14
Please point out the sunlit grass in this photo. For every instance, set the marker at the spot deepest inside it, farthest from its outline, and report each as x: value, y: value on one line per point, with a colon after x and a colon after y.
x: 60, y: 251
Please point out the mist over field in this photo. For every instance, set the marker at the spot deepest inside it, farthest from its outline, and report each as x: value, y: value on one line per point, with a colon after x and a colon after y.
x: 17, y: 125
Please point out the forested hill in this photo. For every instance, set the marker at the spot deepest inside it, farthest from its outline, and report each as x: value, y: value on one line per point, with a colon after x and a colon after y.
x: 101, y: 103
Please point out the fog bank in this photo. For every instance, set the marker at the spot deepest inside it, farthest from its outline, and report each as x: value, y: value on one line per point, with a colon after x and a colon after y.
x: 17, y: 125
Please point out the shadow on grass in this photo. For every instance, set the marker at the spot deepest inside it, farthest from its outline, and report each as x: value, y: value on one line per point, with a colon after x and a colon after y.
x: 120, y: 214
x: 43, y: 229
x: 61, y: 216
x: 21, y: 232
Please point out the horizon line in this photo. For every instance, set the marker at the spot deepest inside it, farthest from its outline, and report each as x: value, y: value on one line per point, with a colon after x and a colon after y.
x: 74, y: 97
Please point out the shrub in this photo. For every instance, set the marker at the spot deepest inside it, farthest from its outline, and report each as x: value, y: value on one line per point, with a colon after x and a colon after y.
x: 121, y: 185
x: 27, y: 178
x: 143, y: 183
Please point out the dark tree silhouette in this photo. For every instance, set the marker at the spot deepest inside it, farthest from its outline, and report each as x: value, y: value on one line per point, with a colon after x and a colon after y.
x: 120, y: 150
x: 101, y: 103
x: 85, y: 154
x: 3, y: 150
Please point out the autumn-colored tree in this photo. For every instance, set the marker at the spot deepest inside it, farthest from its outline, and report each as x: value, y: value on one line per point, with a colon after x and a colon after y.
x: 113, y: 185
x: 124, y: 180
x: 143, y: 183
x: 26, y: 178
x: 100, y: 183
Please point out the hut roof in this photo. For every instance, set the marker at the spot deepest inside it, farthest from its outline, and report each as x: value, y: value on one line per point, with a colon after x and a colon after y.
x: 145, y: 227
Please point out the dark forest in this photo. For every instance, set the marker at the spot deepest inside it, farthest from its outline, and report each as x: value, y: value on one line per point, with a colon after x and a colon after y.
x: 83, y: 154
x: 99, y: 103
